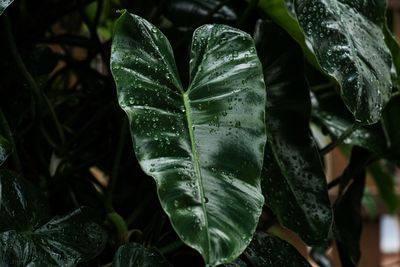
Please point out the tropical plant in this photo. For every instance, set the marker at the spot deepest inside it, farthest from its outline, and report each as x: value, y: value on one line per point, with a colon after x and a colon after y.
x: 220, y: 98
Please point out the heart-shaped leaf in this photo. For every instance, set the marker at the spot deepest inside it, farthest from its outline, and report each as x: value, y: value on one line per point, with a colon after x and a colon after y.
x: 203, y: 146
x: 345, y: 39
x: 294, y: 183
x: 25, y: 238
x: 4, y: 4
x: 136, y: 255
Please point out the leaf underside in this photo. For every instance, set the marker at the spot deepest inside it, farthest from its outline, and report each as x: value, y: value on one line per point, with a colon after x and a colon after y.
x: 203, y: 146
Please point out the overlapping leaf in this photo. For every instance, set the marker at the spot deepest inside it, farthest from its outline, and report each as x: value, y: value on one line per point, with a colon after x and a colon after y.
x: 4, y: 4
x: 293, y: 178
x: 27, y: 238
x: 345, y: 39
x: 203, y: 146
x: 136, y: 255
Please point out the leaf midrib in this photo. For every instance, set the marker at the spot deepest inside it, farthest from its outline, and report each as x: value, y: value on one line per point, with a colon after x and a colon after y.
x: 188, y: 113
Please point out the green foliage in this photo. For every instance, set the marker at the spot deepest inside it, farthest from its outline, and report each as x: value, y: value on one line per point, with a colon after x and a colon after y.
x: 183, y: 138
x: 220, y: 121
x: 293, y: 178
x: 29, y: 238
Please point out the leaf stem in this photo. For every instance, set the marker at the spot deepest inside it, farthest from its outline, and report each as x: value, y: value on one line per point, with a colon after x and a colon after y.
x: 328, y: 148
x: 116, y: 164
x: 38, y: 94
x: 119, y: 225
x: 171, y: 247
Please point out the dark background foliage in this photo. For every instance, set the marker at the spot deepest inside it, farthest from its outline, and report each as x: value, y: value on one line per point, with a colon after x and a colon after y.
x: 65, y: 45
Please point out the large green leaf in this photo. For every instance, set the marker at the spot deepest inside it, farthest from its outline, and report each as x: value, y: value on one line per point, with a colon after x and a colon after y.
x: 345, y: 39
x: 4, y: 4
x: 136, y: 255
x: 203, y: 146
x: 25, y: 238
x: 293, y: 178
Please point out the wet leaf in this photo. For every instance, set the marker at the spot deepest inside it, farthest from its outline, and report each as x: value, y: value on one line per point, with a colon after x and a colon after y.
x: 4, y: 4
x: 136, y: 255
x: 25, y: 238
x: 294, y: 183
x: 267, y: 250
x: 345, y: 40
x: 203, y: 146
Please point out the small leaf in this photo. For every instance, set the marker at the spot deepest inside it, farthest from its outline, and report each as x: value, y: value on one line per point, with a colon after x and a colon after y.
x: 294, y: 183
x: 345, y: 40
x: 4, y: 4
x: 203, y: 146
x: 136, y: 255
x: 267, y: 250
x: 26, y: 241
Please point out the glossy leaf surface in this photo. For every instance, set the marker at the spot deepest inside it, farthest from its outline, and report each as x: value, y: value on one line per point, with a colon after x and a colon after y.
x: 266, y: 250
x: 293, y: 178
x: 203, y: 146
x: 4, y: 4
x: 136, y: 255
x: 25, y: 240
x: 345, y: 39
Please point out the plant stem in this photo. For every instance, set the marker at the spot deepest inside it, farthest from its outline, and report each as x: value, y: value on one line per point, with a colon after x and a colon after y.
x: 116, y: 165
x: 250, y: 7
x: 119, y: 225
x: 40, y: 97
x: 339, y: 140
x: 171, y: 247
